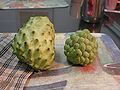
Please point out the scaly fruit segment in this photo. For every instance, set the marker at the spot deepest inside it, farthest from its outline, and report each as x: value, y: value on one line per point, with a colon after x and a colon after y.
x: 81, y: 48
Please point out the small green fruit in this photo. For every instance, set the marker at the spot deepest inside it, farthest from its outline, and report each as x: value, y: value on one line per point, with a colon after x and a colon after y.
x: 81, y: 48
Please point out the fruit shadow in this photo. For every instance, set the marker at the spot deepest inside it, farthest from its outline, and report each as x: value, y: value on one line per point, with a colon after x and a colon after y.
x: 60, y: 65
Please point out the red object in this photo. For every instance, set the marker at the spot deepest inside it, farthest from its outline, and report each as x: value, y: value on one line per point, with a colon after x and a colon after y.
x: 88, y: 69
x: 90, y: 7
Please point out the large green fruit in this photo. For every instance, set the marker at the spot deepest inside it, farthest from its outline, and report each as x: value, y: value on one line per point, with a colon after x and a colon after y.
x: 34, y: 43
x: 81, y: 48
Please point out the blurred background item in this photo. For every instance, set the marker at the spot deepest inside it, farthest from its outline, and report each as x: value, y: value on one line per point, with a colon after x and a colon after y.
x: 93, y: 10
x: 75, y: 8
x: 111, y: 4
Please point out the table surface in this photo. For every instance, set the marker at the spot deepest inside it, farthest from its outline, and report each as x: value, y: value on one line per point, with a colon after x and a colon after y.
x: 32, y: 4
x: 96, y: 76
x: 102, y: 74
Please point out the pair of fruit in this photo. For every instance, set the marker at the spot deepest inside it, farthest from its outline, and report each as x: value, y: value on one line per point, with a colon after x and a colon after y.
x: 34, y: 45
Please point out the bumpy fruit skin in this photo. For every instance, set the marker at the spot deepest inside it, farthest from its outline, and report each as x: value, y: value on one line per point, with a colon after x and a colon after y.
x: 34, y: 43
x: 81, y: 48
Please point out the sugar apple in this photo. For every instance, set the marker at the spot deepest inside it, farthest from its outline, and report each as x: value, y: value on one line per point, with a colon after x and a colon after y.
x: 34, y: 43
x: 81, y: 48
